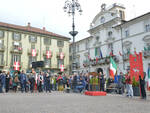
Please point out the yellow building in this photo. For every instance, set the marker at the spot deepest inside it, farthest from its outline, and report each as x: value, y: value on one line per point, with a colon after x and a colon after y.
x: 17, y: 44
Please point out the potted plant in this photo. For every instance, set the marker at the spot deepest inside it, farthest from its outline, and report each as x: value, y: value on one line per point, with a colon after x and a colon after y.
x: 136, y: 89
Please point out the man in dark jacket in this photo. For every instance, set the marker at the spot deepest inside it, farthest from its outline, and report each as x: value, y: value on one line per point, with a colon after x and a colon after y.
x: 142, y: 86
x: 23, y: 81
x: 102, y: 81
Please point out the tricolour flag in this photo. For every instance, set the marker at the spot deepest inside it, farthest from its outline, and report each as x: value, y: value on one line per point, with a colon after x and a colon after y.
x: 113, y: 67
x: 101, y: 55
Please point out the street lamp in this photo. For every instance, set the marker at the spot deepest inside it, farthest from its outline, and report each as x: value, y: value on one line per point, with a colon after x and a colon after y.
x: 70, y: 7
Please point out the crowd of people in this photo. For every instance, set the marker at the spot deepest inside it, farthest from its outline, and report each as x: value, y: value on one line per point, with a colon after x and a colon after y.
x: 47, y: 82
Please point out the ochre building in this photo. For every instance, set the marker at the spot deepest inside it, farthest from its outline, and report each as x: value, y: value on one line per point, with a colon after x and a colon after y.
x: 22, y: 45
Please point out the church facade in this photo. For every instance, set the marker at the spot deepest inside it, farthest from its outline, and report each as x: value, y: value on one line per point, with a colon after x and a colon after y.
x: 112, y: 35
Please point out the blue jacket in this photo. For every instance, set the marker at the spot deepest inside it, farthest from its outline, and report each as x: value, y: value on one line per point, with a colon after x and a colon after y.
x: 23, y: 78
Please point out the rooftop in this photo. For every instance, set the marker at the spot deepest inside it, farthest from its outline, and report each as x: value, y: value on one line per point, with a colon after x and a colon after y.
x: 29, y: 28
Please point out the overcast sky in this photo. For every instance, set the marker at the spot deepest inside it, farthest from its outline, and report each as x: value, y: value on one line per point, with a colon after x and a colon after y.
x: 50, y: 13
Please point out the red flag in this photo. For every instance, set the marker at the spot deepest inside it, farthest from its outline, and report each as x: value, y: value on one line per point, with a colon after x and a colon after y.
x: 61, y: 55
x: 96, y: 59
x: 33, y: 52
x: 16, y: 66
x: 111, y: 54
x: 136, y: 66
x: 135, y: 51
x: 120, y: 53
x: 48, y: 54
x: 61, y: 68
x: 19, y: 48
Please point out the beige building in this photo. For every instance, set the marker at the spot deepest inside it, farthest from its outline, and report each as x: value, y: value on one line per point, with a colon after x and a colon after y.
x: 17, y: 44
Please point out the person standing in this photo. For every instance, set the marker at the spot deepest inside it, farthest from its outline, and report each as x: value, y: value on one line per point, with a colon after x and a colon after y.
x: 142, y: 86
x: 120, y: 83
x: 40, y: 82
x: 3, y: 80
x: 32, y: 82
x: 15, y: 81
x: 48, y: 82
x: 129, y: 85
x: 102, y: 81
x: 8, y: 77
x: 23, y: 81
x: 0, y: 82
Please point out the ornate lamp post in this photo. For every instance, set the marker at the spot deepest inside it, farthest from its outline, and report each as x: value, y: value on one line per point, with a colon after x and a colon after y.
x: 70, y: 7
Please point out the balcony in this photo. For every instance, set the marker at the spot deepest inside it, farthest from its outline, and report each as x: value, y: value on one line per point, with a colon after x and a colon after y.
x: 2, y: 63
x: 30, y: 52
x: 58, y: 54
x: 16, y: 50
x: 2, y: 48
x: 12, y: 64
x: 146, y: 53
x: 44, y: 53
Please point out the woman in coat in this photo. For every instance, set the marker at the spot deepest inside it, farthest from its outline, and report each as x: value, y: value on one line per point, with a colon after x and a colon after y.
x: 8, y: 77
x: 15, y: 81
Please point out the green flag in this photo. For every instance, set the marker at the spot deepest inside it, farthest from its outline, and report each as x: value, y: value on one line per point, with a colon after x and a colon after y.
x: 95, y: 51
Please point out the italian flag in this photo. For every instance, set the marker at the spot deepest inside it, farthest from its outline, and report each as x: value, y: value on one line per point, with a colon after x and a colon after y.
x: 113, y: 67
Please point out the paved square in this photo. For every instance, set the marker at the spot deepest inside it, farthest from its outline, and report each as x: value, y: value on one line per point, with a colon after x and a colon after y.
x: 59, y: 102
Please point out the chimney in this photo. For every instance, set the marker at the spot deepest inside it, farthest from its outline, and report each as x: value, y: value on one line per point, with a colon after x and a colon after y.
x: 29, y: 24
x: 44, y: 29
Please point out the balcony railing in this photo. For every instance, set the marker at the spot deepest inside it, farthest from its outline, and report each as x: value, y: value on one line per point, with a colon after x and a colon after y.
x: 44, y: 53
x: 16, y: 50
x: 30, y: 52
x: 12, y: 64
x: 58, y: 54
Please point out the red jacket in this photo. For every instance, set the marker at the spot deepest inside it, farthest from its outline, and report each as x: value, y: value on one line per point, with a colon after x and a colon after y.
x: 128, y: 79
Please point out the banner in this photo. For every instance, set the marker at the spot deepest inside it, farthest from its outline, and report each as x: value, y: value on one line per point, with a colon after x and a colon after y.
x: 136, y: 66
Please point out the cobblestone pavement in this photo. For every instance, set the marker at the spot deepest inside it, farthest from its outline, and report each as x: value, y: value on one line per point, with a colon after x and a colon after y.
x: 59, y: 102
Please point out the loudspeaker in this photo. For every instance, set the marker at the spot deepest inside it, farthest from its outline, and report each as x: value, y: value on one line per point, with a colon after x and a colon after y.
x: 40, y: 63
x: 34, y: 65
